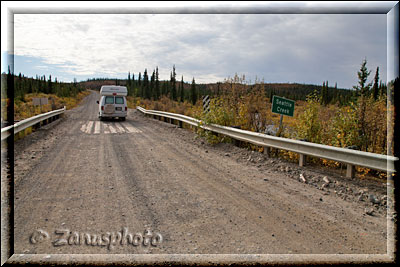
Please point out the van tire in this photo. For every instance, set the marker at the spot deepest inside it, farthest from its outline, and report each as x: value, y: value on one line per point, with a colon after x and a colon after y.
x: 122, y: 118
x: 100, y: 118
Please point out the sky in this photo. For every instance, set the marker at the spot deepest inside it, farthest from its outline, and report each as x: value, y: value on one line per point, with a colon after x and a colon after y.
x: 294, y: 48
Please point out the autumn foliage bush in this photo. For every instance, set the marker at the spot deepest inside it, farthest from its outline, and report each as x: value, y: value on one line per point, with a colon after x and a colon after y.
x: 24, y: 109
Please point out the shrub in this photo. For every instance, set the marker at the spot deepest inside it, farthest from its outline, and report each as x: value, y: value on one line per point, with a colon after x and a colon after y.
x: 308, y: 125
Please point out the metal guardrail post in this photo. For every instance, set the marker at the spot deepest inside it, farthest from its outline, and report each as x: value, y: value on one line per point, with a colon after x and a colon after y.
x: 302, y: 160
x: 350, y: 171
x: 267, y: 151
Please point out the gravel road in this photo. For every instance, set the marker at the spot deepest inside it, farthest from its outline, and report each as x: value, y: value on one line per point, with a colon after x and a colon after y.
x: 79, y: 178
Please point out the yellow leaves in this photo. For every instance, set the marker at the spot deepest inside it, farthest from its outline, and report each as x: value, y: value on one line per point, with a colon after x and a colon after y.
x: 24, y: 110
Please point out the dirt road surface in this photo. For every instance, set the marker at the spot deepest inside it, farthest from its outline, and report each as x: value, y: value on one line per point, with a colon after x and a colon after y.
x: 79, y: 179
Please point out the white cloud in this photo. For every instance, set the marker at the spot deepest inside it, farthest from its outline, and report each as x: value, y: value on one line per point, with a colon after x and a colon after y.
x: 296, y: 48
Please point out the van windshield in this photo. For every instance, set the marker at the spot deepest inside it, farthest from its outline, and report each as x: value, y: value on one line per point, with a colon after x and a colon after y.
x: 109, y: 100
x: 119, y: 100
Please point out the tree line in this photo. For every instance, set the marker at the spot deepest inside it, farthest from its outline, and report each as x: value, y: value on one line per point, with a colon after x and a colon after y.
x: 40, y: 84
x: 150, y: 87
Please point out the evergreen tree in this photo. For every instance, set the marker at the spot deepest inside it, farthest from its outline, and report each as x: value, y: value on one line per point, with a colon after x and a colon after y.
x: 145, y: 90
x: 193, y: 93
x: 29, y: 86
x: 328, y: 94
x: 50, y: 85
x: 181, y: 90
x: 44, y: 85
x: 375, y: 87
x: 173, y: 84
x: 363, y: 89
x: 128, y: 86
x: 169, y: 86
x: 39, y: 84
x: 324, y: 93
x: 152, y: 85
x: 140, y: 85
x: 10, y: 84
x: 157, y: 86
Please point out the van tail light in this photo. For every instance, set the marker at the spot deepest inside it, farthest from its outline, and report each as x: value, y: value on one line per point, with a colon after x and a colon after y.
x: 126, y: 108
x: 102, y: 107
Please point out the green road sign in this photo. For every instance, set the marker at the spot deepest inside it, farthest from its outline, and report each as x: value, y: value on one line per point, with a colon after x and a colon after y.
x: 282, y: 106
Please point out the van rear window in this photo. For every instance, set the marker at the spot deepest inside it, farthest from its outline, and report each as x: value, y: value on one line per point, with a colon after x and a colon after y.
x: 109, y: 100
x: 119, y: 100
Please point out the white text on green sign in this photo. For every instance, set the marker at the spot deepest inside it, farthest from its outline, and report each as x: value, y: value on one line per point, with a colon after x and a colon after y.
x: 282, y: 106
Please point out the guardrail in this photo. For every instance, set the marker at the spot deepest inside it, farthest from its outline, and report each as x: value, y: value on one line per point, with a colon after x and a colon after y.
x: 22, y: 125
x: 351, y: 157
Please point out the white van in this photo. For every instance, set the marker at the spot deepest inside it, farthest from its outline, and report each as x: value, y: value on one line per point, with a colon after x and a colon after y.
x: 112, y: 103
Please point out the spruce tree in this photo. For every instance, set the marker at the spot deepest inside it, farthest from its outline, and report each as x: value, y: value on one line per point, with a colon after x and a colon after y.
x: 193, y: 93
x: 324, y: 94
x: 145, y: 90
x: 139, y: 80
x: 50, y: 85
x: 375, y: 87
x: 182, y: 92
x: 173, y: 84
x: 39, y: 84
x: 132, y: 85
x: 128, y: 86
x: 157, y: 86
x: 362, y: 89
x: 152, y: 85
x: 140, y: 89
x: 44, y: 85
